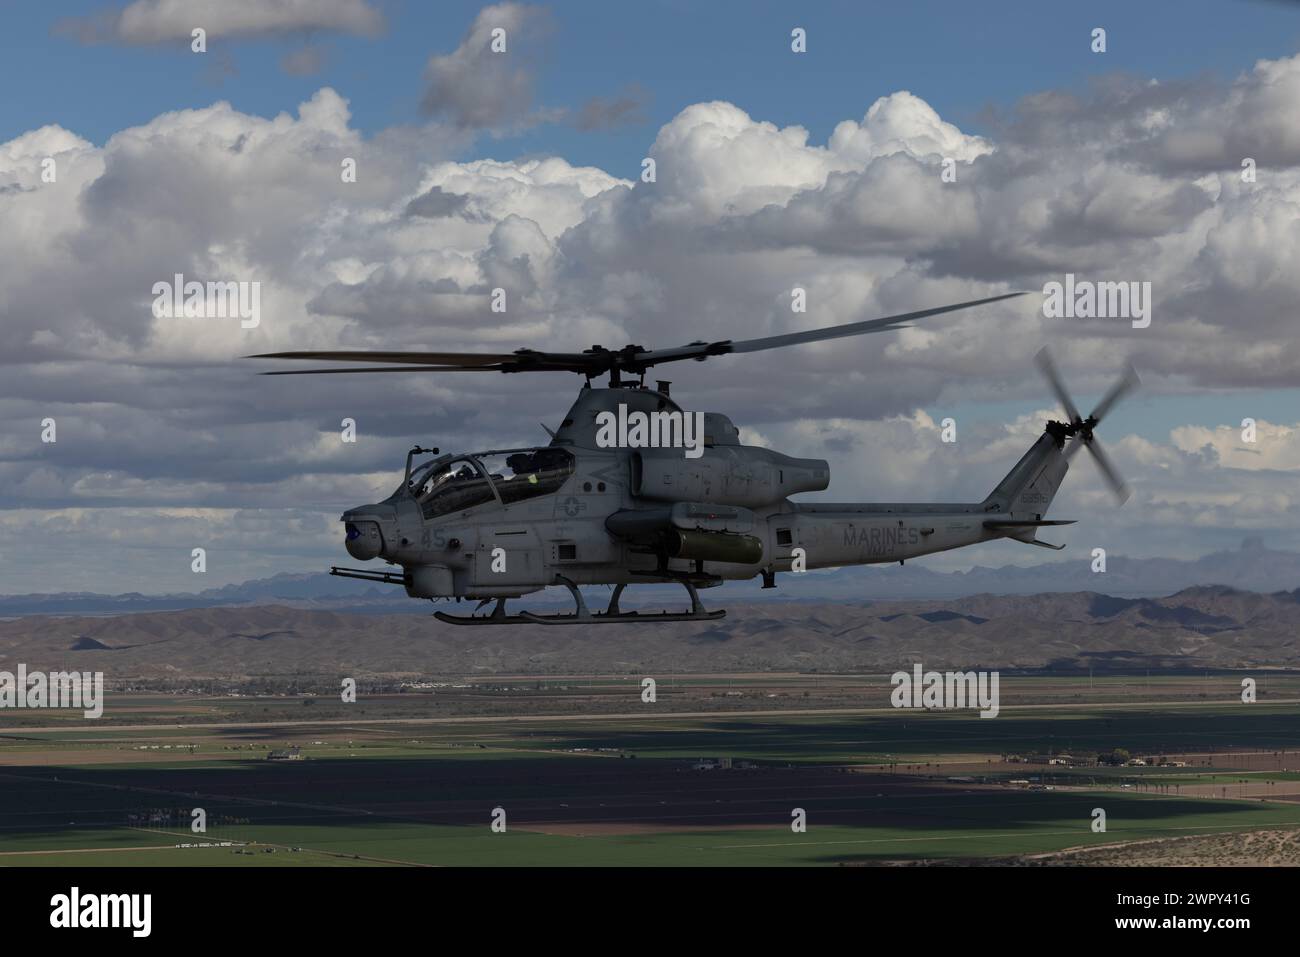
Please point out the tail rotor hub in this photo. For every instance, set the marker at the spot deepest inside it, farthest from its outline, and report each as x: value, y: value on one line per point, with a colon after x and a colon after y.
x: 1082, y: 429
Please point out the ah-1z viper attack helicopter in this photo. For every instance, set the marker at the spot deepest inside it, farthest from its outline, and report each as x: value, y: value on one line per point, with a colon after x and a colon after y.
x: 586, y: 510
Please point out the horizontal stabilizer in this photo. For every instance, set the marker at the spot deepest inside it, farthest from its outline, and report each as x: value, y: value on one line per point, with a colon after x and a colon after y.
x: 1026, y: 523
x: 1034, y: 541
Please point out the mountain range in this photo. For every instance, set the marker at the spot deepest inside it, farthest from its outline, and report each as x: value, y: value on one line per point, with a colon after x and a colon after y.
x: 1252, y: 567
x: 1196, y: 629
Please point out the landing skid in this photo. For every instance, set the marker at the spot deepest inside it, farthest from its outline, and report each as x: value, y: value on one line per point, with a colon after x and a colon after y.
x: 498, y: 616
x: 583, y: 616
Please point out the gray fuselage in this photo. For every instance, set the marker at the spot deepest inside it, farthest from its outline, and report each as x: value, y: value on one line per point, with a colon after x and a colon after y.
x: 620, y: 515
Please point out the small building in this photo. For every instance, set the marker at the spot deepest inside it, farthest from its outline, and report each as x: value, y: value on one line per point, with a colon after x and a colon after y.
x: 288, y: 754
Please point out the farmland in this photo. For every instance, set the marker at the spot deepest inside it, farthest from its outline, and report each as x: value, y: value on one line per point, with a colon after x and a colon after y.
x: 712, y: 773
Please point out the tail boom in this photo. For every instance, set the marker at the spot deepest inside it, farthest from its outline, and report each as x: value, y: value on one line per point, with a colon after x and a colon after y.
x: 854, y: 533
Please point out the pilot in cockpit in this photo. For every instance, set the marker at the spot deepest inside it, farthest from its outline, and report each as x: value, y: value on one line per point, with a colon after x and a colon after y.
x: 523, y: 463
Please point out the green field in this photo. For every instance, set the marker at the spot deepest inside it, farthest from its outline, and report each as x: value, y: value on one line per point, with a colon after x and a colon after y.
x: 961, y: 826
x: 602, y: 790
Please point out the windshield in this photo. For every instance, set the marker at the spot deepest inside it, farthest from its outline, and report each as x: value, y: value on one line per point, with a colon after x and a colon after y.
x: 447, y: 485
x: 420, y: 473
x: 444, y: 487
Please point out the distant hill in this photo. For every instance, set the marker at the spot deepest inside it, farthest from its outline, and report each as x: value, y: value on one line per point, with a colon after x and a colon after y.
x: 1197, y: 628
x: 1251, y: 567
x: 293, y: 589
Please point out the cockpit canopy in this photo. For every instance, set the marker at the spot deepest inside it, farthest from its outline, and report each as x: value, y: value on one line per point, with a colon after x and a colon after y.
x: 457, y: 483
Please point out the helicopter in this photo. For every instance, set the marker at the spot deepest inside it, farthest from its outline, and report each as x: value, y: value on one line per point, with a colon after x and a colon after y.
x: 624, y: 493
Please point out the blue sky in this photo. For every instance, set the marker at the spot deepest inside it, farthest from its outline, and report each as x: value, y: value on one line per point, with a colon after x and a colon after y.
x: 961, y: 58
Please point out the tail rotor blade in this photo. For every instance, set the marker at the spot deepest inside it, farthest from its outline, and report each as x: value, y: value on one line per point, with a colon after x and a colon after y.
x: 1080, y: 430
x: 1053, y: 377
x: 1109, y: 472
x: 1126, y: 384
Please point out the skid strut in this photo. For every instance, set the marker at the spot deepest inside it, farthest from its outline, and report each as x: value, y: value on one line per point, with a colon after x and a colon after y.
x: 582, y: 615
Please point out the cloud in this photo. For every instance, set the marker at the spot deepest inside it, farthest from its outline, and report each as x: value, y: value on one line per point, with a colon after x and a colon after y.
x: 436, y: 202
x: 612, y: 112
x: 904, y: 123
x: 150, y: 22
x: 715, y: 160
x: 162, y: 414
x: 475, y: 87
x: 1273, y: 447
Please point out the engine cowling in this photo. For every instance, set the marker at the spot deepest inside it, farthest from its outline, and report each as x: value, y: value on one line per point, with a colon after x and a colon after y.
x: 728, y: 475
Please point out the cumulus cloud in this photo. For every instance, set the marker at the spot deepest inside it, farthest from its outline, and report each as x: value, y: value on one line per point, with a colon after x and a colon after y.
x: 904, y: 123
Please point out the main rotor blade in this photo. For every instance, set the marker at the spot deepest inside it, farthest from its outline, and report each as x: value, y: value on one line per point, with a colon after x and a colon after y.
x: 470, y: 359
x: 522, y: 360
x: 392, y: 368
x: 598, y: 360
x: 1126, y: 384
x: 839, y: 332
x: 1053, y: 377
x: 1108, y: 471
